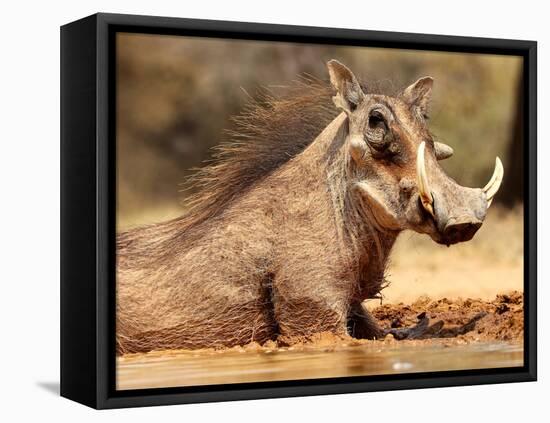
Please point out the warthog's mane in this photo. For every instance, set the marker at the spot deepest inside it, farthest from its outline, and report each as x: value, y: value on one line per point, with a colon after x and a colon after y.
x: 273, y: 128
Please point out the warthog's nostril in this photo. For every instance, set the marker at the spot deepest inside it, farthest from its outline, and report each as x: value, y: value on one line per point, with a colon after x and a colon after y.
x: 459, y: 231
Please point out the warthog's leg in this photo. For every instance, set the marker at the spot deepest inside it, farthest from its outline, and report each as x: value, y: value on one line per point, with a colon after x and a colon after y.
x: 301, y: 312
x: 362, y: 325
x: 309, y: 296
x: 298, y: 319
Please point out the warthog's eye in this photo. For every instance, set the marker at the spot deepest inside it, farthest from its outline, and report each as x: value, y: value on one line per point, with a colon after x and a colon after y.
x: 377, y: 122
x: 379, y: 137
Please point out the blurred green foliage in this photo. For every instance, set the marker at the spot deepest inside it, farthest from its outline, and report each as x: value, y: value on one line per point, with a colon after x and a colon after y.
x: 176, y: 95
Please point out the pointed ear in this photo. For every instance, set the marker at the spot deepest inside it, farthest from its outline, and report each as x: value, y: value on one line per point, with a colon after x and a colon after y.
x: 348, y: 91
x: 419, y: 93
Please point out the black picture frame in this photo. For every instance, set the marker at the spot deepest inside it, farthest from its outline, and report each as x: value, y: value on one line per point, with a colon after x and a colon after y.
x: 88, y: 164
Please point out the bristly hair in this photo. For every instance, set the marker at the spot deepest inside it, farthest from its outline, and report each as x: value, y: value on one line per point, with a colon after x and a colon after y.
x: 270, y: 131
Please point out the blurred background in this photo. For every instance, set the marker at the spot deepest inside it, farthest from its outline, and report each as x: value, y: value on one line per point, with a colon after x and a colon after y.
x: 176, y: 95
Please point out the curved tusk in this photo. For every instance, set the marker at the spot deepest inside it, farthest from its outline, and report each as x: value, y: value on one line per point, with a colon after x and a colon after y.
x: 442, y: 151
x: 494, y: 183
x: 422, y: 180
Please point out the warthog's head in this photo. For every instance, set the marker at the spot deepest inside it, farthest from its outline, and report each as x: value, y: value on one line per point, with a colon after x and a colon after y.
x: 394, y: 163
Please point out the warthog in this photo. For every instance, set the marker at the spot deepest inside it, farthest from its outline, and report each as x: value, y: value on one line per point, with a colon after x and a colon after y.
x: 293, y: 223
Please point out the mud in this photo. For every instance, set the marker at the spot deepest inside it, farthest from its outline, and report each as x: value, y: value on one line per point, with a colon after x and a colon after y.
x: 502, y: 318
x: 458, y: 321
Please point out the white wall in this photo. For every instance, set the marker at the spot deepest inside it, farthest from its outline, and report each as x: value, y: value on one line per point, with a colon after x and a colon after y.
x: 29, y: 137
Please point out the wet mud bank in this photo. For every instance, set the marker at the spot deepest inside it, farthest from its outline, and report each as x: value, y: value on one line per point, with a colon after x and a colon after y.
x: 495, y: 340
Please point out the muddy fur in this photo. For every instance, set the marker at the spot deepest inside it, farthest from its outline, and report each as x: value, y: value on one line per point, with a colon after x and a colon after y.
x: 275, y: 245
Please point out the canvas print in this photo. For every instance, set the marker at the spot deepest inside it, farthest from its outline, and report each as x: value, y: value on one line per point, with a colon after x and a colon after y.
x: 290, y: 211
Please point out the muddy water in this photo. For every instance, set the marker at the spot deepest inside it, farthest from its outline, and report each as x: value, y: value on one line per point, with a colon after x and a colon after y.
x: 187, y: 368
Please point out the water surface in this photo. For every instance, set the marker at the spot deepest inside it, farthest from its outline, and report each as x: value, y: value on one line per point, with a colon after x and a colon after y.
x: 188, y: 368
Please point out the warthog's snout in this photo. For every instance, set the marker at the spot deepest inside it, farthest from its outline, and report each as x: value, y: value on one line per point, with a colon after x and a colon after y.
x: 458, y: 212
x: 459, y: 230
